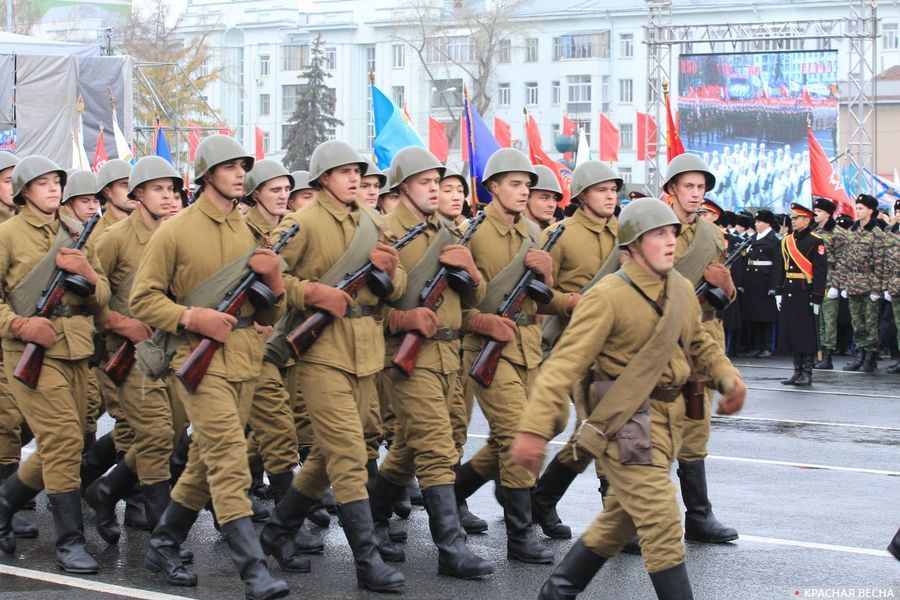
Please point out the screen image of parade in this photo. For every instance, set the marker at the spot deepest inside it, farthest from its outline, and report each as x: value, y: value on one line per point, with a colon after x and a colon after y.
x: 746, y: 114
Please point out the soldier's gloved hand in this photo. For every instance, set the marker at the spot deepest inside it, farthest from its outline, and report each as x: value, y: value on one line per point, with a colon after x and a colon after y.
x: 493, y: 326
x: 815, y: 308
x: 832, y: 293
x: 385, y: 258
x: 267, y: 264
x: 771, y: 292
x: 208, y: 322
x: 263, y: 330
x: 844, y: 294
x: 127, y: 327
x: 458, y: 256
x: 778, y: 302
x: 540, y: 262
x: 34, y: 329
x: 327, y: 298
x: 874, y: 297
x: 419, y: 319
x: 528, y: 451
x: 719, y: 276
x: 71, y: 260
x: 887, y: 296
x: 733, y: 401
x: 574, y: 299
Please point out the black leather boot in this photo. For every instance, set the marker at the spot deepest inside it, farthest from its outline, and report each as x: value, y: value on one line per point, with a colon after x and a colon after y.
x: 798, y: 371
x: 136, y: 511
x: 403, y: 505
x: 260, y: 512
x: 371, y: 572
x: 321, y: 514
x: 164, y: 551
x: 521, y: 544
x: 857, y: 362
x: 806, y: 367
x: 156, y: 500
x: 467, y: 483
x: 700, y: 525
x: 104, y: 494
x: 632, y: 546
x: 414, y: 493
x: 179, y: 458
x: 277, y: 537
x: 870, y: 362
x: 572, y: 574
x: 454, y: 557
x: 372, y: 470
x: 22, y: 526
x: 258, y: 486
x: 826, y: 364
x: 894, y: 546
x: 546, y: 494
x: 894, y: 369
x: 97, y: 460
x: 248, y: 557
x: 13, y: 495
x: 279, y: 484
x: 672, y: 584
x: 382, y: 497
x: 304, y: 541
x: 71, y: 554
x: 89, y: 437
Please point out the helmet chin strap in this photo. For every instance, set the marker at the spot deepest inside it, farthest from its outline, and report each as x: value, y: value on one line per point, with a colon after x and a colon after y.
x: 152, y: 214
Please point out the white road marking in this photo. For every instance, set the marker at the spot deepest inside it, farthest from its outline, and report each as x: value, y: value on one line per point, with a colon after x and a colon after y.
x: 86, y: 584
x: 798, y: 422
x: 814, y: 545
x: 823, y: 392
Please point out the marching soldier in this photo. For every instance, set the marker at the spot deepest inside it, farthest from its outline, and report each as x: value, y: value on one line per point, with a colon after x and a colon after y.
x: 584, y: 253
x: 112, y: 183
x: 337, y: 374
x: 301, y: 193
x: 7, y: 206
x: 760, y: 280
x: 803, y: 268
x: 452, y: 196
x: 79, y: 197
x: 862, y: 277
x: 370, y: 185
x: 543, y: 197
x: 33, y: 244
x: 190, y: 263
x: 826, y: 228
x: 626, y: 331
x: 503, y: 248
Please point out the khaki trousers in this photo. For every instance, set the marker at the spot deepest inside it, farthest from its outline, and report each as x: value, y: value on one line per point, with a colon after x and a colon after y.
x: 11, y: 421
x: 273, y: 422
x: 696, y: 432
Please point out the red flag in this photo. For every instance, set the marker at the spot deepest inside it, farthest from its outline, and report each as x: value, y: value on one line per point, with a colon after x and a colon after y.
x: 463, y: 139
x: 823, y: 180
x: 646, y: 137
x: 539, y: 157
x: 193, y: 141
x: 569, y: 127
x: 260, y: 144
x: 674, y: 147
x: 100, y: 157
x: 502, y: 132
x: 437, y: 140
x: 609, y: 140
x: 807, y: 99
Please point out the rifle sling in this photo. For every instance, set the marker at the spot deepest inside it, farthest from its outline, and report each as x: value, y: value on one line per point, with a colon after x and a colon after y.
x: 24, y: 297
x: 703, y: 249
x: 499, y: 286
x: 419, y: 276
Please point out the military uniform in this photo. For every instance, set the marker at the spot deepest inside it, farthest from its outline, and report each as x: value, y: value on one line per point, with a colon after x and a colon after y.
x: 892, y: 278
x: 759, y: 282
x: 834, y: 240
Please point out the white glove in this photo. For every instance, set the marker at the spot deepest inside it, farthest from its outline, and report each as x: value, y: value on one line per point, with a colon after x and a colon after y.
x: 887, y: 296
x: 778, y: 302
x: 833, y: 293
x: 874, y: 297
x: 815, y: 308
x: 844, y: 294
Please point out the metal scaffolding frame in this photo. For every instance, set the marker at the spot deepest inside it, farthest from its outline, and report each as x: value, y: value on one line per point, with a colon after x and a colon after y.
x: 859, y: 28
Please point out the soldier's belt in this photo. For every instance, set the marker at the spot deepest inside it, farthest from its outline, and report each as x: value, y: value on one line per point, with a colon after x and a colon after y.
x: 665, y: 393
x: 796, y: 276
x: 759, y: 263
x: 68, y: 310
x: 523, y: 320
x: 445, y: 334
x: 358, y: 311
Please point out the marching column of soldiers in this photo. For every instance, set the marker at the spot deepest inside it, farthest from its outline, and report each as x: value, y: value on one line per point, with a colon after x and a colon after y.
x: 298, y: 322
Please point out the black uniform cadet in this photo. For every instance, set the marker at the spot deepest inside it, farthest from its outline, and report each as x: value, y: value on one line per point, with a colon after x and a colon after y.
x: 759, y: 281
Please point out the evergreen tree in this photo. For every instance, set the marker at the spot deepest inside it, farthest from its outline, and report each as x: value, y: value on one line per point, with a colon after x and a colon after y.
x: 314, y: 114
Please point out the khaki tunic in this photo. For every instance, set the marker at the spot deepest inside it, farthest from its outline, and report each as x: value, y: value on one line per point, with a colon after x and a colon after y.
x: 107, y: 219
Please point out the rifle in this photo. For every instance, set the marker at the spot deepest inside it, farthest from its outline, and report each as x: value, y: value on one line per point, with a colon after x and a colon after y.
x: 250, y: 288
x: 530, y: 286
x: 714, y: 295
x: 28, y: 369
x: 305, y: 335
x: 407, y: 354
x: 119, y: 364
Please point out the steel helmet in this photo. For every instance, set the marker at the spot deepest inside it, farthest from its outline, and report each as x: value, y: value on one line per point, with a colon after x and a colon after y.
x: 111, y: 171
x: 642, y: 215
x: 79, y: 183
x: 450, y: 172
x: 685, y: 163
x: 508, y: 160
x: 413, y: 160
x: 263, y: 171
x: 215, y: 150
x: 29, y: 169
x: 331, y: 154
x: 7, y: 161
x: 150, y: 168
x: 547, y: 181
x: 374, y: 171
x: 301, y: 181
x: 592, y: 172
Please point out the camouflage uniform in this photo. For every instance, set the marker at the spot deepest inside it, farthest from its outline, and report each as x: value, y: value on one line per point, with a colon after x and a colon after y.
x: 835, y: 240
x: 892, y: 280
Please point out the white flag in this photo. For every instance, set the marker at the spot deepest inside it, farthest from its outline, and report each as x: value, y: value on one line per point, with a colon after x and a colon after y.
x: 79, y: 155
x: 583, y: 153
x: 123, y: 149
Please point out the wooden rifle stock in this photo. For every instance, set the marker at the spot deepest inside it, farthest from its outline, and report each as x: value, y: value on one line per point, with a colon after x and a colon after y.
x: 28, y: 369
x: 197, y: 364
x: 485, y: 366
x: 119, y: 364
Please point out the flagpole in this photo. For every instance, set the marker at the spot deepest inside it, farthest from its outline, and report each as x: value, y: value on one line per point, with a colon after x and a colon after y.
x: 473, y: 200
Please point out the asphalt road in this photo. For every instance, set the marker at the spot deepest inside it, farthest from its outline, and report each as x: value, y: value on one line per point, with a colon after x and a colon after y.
x: 810, y: 478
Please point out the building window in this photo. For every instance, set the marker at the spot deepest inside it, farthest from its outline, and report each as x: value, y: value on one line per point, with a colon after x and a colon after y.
x: 625, y: 173
x: 285, y: 133
x: 451, y: 48
x: 398, y: 56
x: 370, y: 115
x: 503, y: 97
x: 889, y: 36
x: 264, y: 62
x: 203, y: 69
x: 626, y: 136
x: 556, y: 93
x: 370, y: 59
x: 399, y: 94
x: 581, y: 46
x: 626, y: 45
x: 294, y: 58
x: 264, y: 104
x: 531, y: 92
x: 505, y: 51
x: 447, y: 92
x: 604, y: 93
x: 585, y: 125
x: 289, y: 96
x: 266, y: 139
x: 626, y: 91
x: 579, y: 94
x: 331, y: 58
x: 531, y: 50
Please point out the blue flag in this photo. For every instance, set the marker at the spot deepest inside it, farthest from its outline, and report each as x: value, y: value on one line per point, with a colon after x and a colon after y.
x: 392, y: 132
x: 162, y: 146
x: 482, y: 145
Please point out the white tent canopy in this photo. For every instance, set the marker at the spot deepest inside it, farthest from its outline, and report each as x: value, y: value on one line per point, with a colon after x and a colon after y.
x: 13, y: 43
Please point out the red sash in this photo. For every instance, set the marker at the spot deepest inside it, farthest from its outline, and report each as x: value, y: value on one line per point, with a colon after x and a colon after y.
x: 803, y: 263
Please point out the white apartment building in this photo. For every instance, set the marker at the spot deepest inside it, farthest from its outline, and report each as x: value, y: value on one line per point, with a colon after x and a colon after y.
x: 565, y: 56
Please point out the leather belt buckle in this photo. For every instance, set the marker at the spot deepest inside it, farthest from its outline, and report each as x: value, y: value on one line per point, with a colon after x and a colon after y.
x: 357, y: 311
x: 523, y: 320
x: 446, y: 334
x: 665, y: 394
x: 68, y: 310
